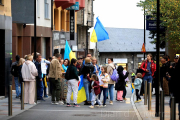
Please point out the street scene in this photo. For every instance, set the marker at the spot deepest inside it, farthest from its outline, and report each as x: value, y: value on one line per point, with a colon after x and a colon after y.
x: 90, y: 59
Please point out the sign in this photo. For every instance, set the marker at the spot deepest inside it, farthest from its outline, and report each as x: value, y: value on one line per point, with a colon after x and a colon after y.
x: 72, y: 24
x: 74, y: 47
x: 74, y: 7
x: 151, y: 23
x: 143, y: 50
x: 118, y: 60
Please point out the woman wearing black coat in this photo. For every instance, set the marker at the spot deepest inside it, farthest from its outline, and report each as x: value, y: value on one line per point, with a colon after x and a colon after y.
x: 120, y: 85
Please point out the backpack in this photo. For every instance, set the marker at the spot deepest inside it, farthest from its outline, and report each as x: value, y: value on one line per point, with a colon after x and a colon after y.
x: 67, y: 75
x: 115, y: 76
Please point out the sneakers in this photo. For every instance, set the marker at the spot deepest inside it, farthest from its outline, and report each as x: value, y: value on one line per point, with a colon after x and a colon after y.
x: 53, y: 102
x: 100, y: 106
x: 124, y: 99
x: 59, y: 102
x: 68, y: 105
x: 111, y: 102
x: 76, y: 105
x: 121, y: 100
x: 136, y: 101
x: 104, y: 105
x: 91, y: 107
x: 45, y: 96
x: 139, y: 100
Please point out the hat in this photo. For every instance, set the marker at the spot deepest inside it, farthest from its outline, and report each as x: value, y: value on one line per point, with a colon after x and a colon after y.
x: 176, y: 57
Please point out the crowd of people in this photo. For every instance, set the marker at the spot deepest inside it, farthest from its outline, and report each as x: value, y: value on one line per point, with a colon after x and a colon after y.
x: 62, y: 77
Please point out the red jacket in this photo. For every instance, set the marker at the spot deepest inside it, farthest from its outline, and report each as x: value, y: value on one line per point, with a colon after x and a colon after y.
x: 144, y: 67
x: 96, y: 86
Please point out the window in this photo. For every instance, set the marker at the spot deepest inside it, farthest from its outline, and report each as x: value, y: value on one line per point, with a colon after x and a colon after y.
x: 1, y: 2
x: 38, y: 8
x: 46, y: 9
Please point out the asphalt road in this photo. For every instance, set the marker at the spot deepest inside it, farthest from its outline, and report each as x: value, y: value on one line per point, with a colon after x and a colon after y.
x: 46, y: 111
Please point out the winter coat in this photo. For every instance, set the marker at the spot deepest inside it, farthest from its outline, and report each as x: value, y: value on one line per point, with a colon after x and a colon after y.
x: 55, y: 70
x: 120, y: 85
x: 110, y: 69
x: 137, y: 83
x: 87, y: 69
x: 144, y: 67
x: 29, y: 71
x: 14, y: 69
x: 175, y: 82
x: 38, y: 67
x: 96, y: 86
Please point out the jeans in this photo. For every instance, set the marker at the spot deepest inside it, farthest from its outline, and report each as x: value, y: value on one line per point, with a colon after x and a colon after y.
x: 124, y: 93
x: 56, y: 89
x: 105, y: 90
x: 111, y: 92
x: 95, y: 98
x: 148, y: 79
x: 17, y: 84
x: 88, y: 93
x: 40, y: 89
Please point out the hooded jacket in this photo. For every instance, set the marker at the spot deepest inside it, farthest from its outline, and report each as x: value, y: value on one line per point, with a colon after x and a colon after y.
x: 14, y: 67
x: 137, y: 83
x: 87, y: 69
x: 96, y: 86
x: 29, y: 71
x: 120, y: 85
x: 110, y: 69
x: 144, y: 67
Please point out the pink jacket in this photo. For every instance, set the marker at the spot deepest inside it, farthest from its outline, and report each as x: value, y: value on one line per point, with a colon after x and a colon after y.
x: 29, y: 71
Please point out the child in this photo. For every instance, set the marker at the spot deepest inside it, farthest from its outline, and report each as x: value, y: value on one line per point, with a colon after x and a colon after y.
x: 120, y: 85
x: 103, y: 82
x: 137, y: 85
x: 95, y: 89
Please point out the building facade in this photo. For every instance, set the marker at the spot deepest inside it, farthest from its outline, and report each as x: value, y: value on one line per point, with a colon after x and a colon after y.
x: 5, y: 45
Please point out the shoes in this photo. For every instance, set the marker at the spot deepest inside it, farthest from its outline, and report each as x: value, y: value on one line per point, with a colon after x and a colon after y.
x: 17, y: 96
x: 121, y: 100
x: 91, y: 107
x: 111, y: 102
x: 104, y: 105
x: 106, y: 97
x: 76, y: 105
x: 100, y: 106
x: 136, y: 101
x: 34, y: 103
x: 41, y: 99
x: 68, y: 105
x: 46, y: 96
x: 53, y: 102
x: 139, y: 100
x: 124, y: 98
x: 59, y: 102
x: 96, y: 104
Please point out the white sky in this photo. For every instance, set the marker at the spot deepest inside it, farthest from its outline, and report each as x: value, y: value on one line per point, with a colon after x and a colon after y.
x: 119, y: 13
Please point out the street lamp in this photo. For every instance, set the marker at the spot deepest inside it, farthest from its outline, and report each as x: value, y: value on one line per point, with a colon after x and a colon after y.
x: 87, y: 37
x: 34, y: 29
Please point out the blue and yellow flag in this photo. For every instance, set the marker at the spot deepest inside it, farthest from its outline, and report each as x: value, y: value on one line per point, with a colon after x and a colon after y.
x: 68, y: 54
x: 132, y: 88
x: 81, y: 97
x: 99, y: 33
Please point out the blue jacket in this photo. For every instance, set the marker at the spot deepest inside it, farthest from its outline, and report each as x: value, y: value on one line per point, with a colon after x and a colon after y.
x: 137, y: 83
x: 94, y: 72
x: 38, y: 67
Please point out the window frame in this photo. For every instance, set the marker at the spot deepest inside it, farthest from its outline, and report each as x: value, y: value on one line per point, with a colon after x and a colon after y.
x: 46, y: 9
x: 1, y: 2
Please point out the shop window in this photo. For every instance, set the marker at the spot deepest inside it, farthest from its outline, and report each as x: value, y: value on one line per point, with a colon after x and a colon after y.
x: 46, y: 9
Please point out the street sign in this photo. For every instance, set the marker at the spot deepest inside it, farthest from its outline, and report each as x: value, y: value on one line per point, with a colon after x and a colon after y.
x: 72, y: 24
x: 151, y: 23
x: 74, y: 7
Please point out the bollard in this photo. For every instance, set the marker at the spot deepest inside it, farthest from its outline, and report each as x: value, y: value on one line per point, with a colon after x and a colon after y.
x: 10, y: 101
x: 35, y: 92
x: 145, y: 93
x: 162, y: 105
x: 173, y: 109
x: 149, y: 96
x: 22, y: 96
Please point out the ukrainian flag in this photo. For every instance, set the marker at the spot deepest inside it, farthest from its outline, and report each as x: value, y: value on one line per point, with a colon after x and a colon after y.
x: 68, y: 54
x: 81, y: 97
x: 99, y: 33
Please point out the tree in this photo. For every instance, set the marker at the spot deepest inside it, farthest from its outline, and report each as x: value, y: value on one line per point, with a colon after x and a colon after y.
x: 170, y: 19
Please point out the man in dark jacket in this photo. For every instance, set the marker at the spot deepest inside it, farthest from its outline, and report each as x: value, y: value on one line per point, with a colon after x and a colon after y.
x: 14, y: 72
x: 72, y: 83
x: 39, y: 82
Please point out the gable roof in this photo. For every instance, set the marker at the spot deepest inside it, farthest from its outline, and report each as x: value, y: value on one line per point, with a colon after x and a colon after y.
x: 126, y: 40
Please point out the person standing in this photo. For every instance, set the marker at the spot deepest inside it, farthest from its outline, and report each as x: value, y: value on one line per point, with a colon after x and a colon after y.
x: 126, y: 80
x: 79, y: 65
x: 29, y: 73
x: 55, y: 74
x: 137, y: 84
x: 120, y: 85
x: 148, y: 67
x: 14, y: 72
x: 132, y: 77
x: 87, y: 69
x: 111, y: 83
x: 96, y: 67
x: 73, y: 83
x: 39, y: 80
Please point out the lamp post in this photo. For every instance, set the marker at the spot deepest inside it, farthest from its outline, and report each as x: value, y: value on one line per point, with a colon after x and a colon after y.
x: 144, y: 31
x: 157, y: 61
x: 87, y: 37
x: 34, y: 29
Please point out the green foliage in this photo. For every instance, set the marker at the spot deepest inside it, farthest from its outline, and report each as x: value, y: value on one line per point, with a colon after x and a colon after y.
x: 170, y: 17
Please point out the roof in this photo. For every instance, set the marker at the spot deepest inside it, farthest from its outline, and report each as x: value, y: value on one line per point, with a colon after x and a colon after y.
x: 126, y: 40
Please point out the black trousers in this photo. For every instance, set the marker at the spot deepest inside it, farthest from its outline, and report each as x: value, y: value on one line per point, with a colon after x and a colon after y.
x: 137, y: 95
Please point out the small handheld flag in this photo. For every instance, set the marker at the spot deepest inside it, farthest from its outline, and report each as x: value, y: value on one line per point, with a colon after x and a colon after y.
x: 99, y: 33
x: 68, y: 54
x: 132, y: 87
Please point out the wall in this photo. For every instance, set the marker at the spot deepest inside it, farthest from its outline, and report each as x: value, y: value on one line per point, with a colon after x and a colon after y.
x: 41, y: 20
x: 5, y: 9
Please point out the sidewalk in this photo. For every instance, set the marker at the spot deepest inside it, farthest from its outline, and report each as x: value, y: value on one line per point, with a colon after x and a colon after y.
x: 16, y: 107
x: 150, y: 115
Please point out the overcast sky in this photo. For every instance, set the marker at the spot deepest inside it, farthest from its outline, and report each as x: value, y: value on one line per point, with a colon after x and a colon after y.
x: 119, y: 13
